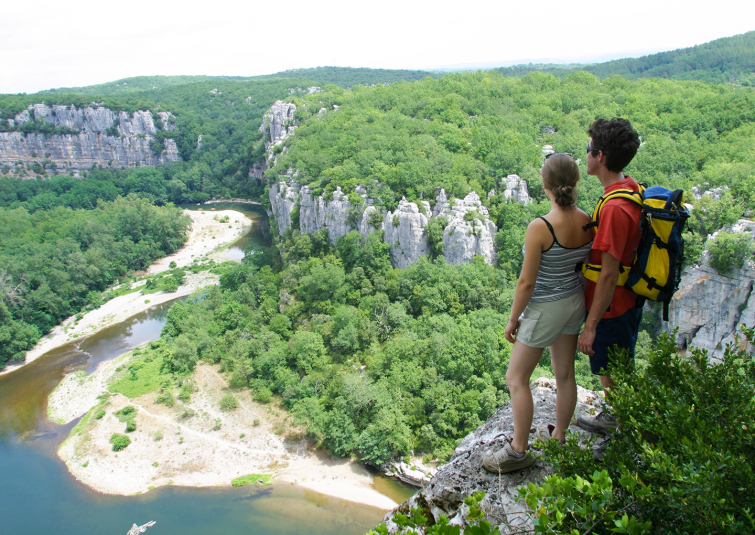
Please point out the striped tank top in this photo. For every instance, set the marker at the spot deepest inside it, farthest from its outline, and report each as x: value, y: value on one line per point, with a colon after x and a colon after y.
x: 557, y: 277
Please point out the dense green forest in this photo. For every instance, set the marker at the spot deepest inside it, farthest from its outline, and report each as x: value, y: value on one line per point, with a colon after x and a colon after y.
x: 55, y: 262
x: 730, y: 60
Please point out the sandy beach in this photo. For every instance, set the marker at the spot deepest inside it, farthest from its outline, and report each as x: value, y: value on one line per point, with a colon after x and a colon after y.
x: 208, y: 448
x: 207, y: 239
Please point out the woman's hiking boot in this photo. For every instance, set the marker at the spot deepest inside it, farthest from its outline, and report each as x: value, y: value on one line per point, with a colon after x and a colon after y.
x: 506, y: 460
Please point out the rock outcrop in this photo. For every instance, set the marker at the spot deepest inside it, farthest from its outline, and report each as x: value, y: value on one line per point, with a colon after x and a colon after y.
x: 709, y: 308
x: 470, y: 232
x: 515, y: 188
x: 137, y: 530
x: 405, y: 232
x: 464, y: 475
x: 91, y: 136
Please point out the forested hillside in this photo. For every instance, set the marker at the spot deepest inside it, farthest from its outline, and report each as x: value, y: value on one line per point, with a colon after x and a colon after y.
x: 54, y: 262
x: 730, y: 60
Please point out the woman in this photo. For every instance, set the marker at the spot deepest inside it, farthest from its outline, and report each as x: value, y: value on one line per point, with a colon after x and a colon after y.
x: 548, y: 311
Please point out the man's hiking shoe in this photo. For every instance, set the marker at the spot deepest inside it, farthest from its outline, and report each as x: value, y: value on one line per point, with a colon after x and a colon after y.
x: 600, y: 449
x: 505, y: 461
x: 603, y: 423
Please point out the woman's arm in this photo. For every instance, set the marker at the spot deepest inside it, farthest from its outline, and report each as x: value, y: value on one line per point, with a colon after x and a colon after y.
x: 534, y: 242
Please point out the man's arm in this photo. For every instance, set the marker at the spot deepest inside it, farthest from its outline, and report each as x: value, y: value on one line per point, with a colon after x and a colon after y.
x: 604, y: 289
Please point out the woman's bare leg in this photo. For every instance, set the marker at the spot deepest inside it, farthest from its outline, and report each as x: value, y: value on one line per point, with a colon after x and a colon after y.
x: 524, y: 359
x: 563, y: 351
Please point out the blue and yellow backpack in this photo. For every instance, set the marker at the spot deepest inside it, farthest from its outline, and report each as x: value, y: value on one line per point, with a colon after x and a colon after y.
x: 656, y: 270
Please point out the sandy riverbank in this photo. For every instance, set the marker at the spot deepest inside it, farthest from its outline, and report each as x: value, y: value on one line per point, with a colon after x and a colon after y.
x: 209, y: 447
x: 207, y: 239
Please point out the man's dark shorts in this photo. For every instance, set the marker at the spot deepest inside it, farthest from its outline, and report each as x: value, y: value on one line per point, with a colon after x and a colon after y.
x: 611, y: 332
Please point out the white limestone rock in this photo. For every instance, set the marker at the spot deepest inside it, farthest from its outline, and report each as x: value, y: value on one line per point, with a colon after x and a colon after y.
x: 283, y: 199
x: 91, y: 145
x: 467, y: 236
x: 515, y: 188
x: 715, y: 193
x: 279, y: 122
x: 316, y: 213
x: 709, y: 307
x: 405, y: 233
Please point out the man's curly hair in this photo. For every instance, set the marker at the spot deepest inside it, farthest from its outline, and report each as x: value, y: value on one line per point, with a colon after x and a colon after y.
x: 618, y: 141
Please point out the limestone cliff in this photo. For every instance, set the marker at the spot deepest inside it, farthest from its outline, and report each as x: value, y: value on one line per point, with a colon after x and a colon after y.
x: 709, y: 307
x: 464, y: 475
x: 92, y: 135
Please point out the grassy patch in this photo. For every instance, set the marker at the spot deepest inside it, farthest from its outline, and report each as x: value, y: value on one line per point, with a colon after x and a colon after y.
x: 253, y: 478
x: 142, y: 376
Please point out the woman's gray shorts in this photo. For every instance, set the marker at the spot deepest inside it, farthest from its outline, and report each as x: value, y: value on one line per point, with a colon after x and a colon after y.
x: 542, y: 323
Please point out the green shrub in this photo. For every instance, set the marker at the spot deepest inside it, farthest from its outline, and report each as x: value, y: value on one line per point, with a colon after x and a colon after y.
x: 228, y: 403
x: 263, y: 394
x: 127, y: 413
x: 729, y: 251
x: 99, y: 415
x: 166, y: 398
x: 686, y: 441
x: 130, y: 427
x: 158, y: 436
x: 119, y: 441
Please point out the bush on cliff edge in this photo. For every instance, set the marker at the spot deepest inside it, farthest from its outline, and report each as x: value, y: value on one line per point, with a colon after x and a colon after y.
x: 686, y: 439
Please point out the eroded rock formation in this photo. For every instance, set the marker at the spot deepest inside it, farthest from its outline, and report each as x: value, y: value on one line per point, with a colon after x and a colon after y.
x: 92, y: 135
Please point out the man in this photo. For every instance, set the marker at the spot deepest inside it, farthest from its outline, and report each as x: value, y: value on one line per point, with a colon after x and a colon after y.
x: 613, y: 318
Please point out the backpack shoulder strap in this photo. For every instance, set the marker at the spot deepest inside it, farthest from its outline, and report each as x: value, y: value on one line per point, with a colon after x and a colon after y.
x: 631, y: 195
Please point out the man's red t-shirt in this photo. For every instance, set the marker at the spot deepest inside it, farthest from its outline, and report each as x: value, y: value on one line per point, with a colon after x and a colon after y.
x: 618, y: 234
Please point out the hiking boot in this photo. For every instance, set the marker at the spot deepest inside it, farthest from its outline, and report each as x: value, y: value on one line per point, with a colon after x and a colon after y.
x: 603, y: 423
x: 544, y: 433
x: 600, y: 449
x: 505, y: 461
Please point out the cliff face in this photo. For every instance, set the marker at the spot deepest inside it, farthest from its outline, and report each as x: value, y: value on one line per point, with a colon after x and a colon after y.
x: 469, y: 231
x: 464, y: 474
x: 91, y: 139
x: 709, y: 307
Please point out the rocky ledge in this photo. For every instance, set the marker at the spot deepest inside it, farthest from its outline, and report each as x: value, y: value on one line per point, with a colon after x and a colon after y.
x: 464, y: 474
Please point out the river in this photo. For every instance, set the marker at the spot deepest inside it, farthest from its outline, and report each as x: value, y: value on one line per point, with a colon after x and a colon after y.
x: 38, y: 495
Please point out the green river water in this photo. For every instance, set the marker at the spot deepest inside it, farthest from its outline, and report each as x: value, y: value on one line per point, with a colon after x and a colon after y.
x: 39, y: 496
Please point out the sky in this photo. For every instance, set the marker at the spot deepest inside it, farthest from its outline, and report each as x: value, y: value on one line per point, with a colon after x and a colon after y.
x: 46, y: 44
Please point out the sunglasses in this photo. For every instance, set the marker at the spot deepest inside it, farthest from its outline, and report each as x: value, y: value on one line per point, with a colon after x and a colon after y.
x: 554, y: 153
x: 591, y: 149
